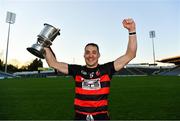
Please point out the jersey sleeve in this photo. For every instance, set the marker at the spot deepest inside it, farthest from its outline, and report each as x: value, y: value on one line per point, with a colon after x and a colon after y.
x: 73, y: 70
x: 109, y: 67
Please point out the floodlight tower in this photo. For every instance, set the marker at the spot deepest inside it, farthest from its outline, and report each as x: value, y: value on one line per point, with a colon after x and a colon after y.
x: 152, y: 35
x: 10, y: 18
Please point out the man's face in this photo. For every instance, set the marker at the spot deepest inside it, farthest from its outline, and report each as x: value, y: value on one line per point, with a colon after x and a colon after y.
x: 91, y: 56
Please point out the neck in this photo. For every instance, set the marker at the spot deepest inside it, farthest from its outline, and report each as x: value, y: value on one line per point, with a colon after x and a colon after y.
x: 92, y: 66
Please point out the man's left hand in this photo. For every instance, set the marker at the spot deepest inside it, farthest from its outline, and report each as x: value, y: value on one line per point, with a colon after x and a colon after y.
x: 129, y: 24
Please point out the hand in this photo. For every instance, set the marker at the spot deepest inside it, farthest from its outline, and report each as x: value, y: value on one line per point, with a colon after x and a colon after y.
x: 129, y: 24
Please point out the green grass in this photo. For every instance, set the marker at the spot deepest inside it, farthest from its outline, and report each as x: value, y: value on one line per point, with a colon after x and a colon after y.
x: 151, y: 97
x: 145, y: 98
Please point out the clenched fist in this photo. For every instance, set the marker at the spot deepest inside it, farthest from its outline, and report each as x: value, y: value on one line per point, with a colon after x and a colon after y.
x: 129, y: 24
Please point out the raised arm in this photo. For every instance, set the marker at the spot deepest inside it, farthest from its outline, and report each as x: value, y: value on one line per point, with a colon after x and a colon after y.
x: 120, y: 62
x: 52, y: 62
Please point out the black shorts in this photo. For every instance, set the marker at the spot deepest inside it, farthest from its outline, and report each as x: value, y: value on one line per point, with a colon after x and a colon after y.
x: 103, y: 116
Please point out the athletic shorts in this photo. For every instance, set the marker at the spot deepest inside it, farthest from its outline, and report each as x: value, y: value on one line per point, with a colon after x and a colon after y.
x: 103, y: 116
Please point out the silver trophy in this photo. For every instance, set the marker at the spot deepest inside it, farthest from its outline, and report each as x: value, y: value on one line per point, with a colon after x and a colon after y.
x: 45, y: 39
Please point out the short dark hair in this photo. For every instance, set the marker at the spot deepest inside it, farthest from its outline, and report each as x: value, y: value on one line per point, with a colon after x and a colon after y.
x: 93, y: 44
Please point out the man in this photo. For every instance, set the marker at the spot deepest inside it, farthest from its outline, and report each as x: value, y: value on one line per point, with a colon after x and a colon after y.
x: 92, y: 81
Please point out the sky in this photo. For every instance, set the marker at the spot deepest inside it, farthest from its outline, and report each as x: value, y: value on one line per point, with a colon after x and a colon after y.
x: 84, y: 21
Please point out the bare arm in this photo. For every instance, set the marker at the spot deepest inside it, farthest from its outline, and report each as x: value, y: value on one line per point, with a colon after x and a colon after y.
x: 120, y: 62
x: 52, y: 62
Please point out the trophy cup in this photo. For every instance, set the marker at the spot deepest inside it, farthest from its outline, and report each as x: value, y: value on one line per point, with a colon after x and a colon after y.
x: 45, y: 39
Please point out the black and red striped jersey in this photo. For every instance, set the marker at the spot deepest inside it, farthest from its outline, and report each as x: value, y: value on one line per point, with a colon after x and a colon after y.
x: 92, y: 88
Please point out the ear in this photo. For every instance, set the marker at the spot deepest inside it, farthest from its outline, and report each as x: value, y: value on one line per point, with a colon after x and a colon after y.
x: 99, y: 55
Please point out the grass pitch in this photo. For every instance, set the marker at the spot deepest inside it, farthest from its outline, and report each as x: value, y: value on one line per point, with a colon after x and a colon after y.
x: 131, y: 98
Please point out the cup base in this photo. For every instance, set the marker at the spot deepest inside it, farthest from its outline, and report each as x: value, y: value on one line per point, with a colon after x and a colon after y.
x: 35, y: 52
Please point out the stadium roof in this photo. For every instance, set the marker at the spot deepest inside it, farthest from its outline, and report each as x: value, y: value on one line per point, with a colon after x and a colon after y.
x: 175, y: 60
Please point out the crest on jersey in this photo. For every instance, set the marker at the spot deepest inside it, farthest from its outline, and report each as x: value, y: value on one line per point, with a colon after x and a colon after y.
x: 91, y: 84
x: 91, y: 75
x: 83, y: 72
x: 97, y: 73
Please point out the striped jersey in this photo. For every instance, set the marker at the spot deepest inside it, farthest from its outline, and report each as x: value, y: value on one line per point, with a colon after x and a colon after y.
x: 91, y: 88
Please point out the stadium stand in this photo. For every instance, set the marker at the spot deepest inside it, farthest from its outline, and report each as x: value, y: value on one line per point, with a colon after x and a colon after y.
x: 172, y: 72
x: 38, y: 74
x: 144, y: 69
x: 6, y: 75
x: 141, y: 69
x: 127, y: 71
